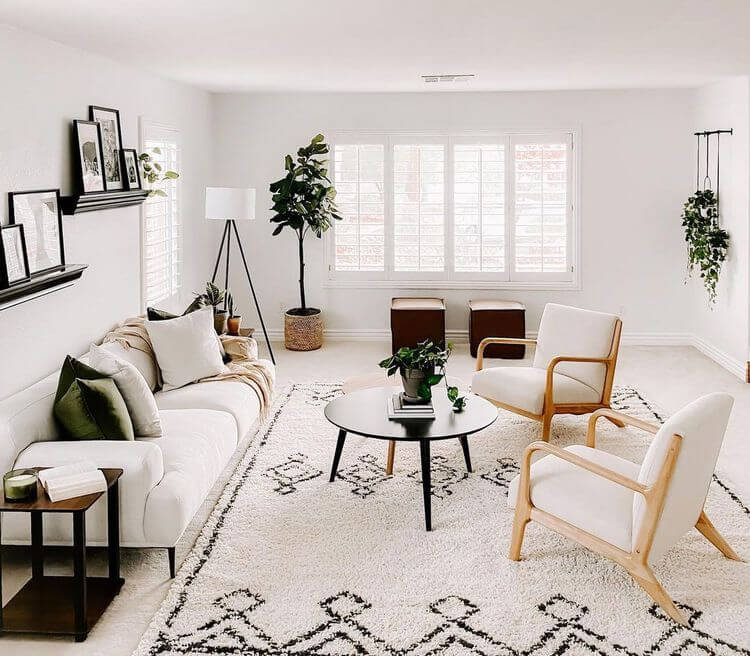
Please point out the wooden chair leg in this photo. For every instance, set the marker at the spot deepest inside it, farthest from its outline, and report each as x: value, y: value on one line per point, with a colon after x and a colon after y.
x: 646, y: 579
x: 615, y: 421
x: 519, y: 529
x: 709, y: 531
x: 546, y: 427
x: 389, y: 459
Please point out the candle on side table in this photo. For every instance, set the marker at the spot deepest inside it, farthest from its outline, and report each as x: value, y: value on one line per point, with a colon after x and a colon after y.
x: 20, y: 485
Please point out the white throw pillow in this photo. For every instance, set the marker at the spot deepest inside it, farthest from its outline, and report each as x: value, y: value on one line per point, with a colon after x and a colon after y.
x: 139, y: 399
x: 186, y: 348
x: 140, y: 360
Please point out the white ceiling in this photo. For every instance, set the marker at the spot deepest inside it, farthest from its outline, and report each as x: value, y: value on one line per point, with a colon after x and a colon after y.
x: 385, y: 45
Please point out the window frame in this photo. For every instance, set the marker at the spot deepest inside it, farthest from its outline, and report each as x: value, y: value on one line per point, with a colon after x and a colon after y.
x: 173, y: 302
x: 450, y: 279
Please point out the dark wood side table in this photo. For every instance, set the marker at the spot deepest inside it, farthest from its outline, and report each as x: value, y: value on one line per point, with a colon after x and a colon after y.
x: 39, y: 607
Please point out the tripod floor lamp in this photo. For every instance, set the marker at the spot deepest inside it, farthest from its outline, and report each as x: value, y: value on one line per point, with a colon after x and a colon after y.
x: 229, y: 204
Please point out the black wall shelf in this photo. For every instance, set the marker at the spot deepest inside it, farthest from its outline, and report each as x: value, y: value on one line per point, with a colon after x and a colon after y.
x: 102, y: 201
x: 40, y: 285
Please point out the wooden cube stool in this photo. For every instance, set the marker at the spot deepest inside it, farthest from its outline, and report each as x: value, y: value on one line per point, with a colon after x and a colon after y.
x: 414, y: 320
x: 497, y: 319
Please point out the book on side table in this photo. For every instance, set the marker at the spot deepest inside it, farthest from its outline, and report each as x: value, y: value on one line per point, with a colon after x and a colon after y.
x: 399, y: 410
x: 75, y: 480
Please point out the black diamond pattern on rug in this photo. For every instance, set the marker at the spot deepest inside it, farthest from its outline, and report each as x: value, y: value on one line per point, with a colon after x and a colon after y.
x: 365, y: 475
x: 290, y: 473
x: 443, y: 477
x: 503, y: 474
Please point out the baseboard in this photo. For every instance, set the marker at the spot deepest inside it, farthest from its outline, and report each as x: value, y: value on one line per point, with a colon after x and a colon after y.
x: 733, y: 365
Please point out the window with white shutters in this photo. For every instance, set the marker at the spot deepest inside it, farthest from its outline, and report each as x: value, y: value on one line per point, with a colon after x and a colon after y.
x: 497, y: 209
x: 162, y: 221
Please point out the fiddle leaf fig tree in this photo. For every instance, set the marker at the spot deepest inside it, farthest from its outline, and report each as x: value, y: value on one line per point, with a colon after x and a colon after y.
x: 707, y: 242
x: 304, y: 201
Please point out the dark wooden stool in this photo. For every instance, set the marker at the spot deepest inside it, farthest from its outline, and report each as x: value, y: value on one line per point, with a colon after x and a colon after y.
x: 414, y: 320
x: 497, y: 319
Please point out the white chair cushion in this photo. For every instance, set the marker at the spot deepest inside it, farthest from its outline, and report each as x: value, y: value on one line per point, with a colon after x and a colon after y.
x: 572, y: 331
x: 186, y: 348
x: 701, y: 424
x: 232, y: 396
x: 142, y: 467
x: 523, y: 387
x: 582, y: 498
x: 195, y: 447
x: 138, y: 397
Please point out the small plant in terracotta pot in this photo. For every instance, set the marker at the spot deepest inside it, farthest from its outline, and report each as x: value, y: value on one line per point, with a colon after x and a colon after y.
x: 214, y: 297
x: 234, y: 321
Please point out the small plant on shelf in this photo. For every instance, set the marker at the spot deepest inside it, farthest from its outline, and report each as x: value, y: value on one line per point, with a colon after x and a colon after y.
x: 213, y: 296
x: 234, y: 320
x: 421, y: 368
x: 153, y: 173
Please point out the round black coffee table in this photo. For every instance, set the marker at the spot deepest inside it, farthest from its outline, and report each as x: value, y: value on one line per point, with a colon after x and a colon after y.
x: 365, y: 413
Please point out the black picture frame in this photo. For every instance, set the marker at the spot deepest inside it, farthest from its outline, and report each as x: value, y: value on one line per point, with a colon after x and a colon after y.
x: 127, y: 153
x: 110, y: 150
x: 83, y: 169
x: 5, y: 281
x: 20, y: 215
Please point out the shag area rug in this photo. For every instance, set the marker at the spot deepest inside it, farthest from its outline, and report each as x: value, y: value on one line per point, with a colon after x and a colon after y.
x: 289, y: 563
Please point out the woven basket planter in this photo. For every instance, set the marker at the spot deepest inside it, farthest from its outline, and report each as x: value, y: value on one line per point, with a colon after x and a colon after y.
x: 303, y: 332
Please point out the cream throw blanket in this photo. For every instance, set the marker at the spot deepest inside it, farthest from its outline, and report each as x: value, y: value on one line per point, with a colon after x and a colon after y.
x: 244, y: 366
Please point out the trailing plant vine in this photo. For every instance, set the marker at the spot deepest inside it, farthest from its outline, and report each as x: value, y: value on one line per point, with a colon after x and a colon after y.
x: 707, y: 242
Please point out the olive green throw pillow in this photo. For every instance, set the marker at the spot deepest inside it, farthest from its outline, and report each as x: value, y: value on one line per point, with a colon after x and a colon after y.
x: 94, y: 410
x: 72, y: 369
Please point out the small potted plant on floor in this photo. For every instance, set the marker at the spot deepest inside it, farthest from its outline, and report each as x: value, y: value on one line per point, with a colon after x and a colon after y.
x: 214, y: 297
x: 422, y: 368
x: 303, y: 200
x: 234, y: 320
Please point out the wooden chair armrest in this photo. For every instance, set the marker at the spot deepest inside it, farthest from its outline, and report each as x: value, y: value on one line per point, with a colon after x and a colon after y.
x: 498, y: 340
x: 613, y: 414
x: 578, y: 461
x: 548, y: 391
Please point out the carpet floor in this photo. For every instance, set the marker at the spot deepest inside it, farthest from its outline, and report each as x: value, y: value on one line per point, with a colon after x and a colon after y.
x: 288, y: 563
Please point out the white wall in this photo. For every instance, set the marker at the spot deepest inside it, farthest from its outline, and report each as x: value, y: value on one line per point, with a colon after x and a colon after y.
x: 45, y: 86
x: 723, y: 330
x: 636, y: 165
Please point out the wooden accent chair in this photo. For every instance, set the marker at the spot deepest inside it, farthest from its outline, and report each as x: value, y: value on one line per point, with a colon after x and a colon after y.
x: 573, y: 368
x: 630, y: 513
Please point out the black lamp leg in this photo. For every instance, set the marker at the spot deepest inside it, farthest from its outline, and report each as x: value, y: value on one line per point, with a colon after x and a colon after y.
x: 221, y: 248
x: 252, y: 289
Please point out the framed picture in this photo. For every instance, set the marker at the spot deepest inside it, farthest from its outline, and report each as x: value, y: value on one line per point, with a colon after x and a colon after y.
x: 109, y: 120
x: 14, y: 262
x: 131, y: 168
x: 88, y: 139
x: 40, y: 215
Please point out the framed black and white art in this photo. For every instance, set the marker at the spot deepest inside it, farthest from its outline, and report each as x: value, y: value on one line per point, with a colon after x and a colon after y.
x: 40, y: 215
x: 130, y: 168
x: 88, y: 140
x: 14, y: 262
x: 109, y: 120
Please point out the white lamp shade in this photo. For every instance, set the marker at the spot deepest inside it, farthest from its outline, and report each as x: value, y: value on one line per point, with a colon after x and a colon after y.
x: 230, y: 203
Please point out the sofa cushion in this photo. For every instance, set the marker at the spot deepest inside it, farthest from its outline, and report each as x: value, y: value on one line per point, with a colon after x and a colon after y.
x: 232, y: 396
x: 523, y: 387
x: 94, y: 410
x: 143, y: 468
x: 582, y: 498
x: 72, y: 369
x: 140, y: 360
x: 195, y: 447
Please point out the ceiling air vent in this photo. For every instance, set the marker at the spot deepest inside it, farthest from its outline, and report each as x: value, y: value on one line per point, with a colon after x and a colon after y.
x: 461, y: 77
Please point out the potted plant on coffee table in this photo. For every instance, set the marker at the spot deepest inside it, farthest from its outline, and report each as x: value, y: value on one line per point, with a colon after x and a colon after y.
x: 303, y: 200
x: 421, y: 368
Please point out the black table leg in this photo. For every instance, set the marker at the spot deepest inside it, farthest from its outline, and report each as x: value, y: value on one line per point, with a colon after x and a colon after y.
x: 113, y: 532
x: 465, y: 446
x: 37, y: 545
x: 424, y: 452
x: 337, y: 454
x: 79, y: 575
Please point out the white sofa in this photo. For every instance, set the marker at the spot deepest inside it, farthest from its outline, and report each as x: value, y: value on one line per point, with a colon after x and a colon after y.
x: 165, y: 479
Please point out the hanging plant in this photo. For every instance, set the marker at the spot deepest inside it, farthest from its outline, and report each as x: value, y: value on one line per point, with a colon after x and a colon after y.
x: 707, y: 242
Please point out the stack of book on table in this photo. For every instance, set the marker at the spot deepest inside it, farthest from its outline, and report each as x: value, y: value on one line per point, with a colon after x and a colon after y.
x: 400, y: 410
x: 74, y: 480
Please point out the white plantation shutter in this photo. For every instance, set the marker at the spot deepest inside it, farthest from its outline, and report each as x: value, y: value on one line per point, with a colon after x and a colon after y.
x: 479, y: 207
x: 360, y: 196
x: 541, y: 208
x: 162, y: 222
x: 419, y: 207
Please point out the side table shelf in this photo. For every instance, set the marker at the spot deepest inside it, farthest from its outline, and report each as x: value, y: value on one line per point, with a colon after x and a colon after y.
x: 41, y: 605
